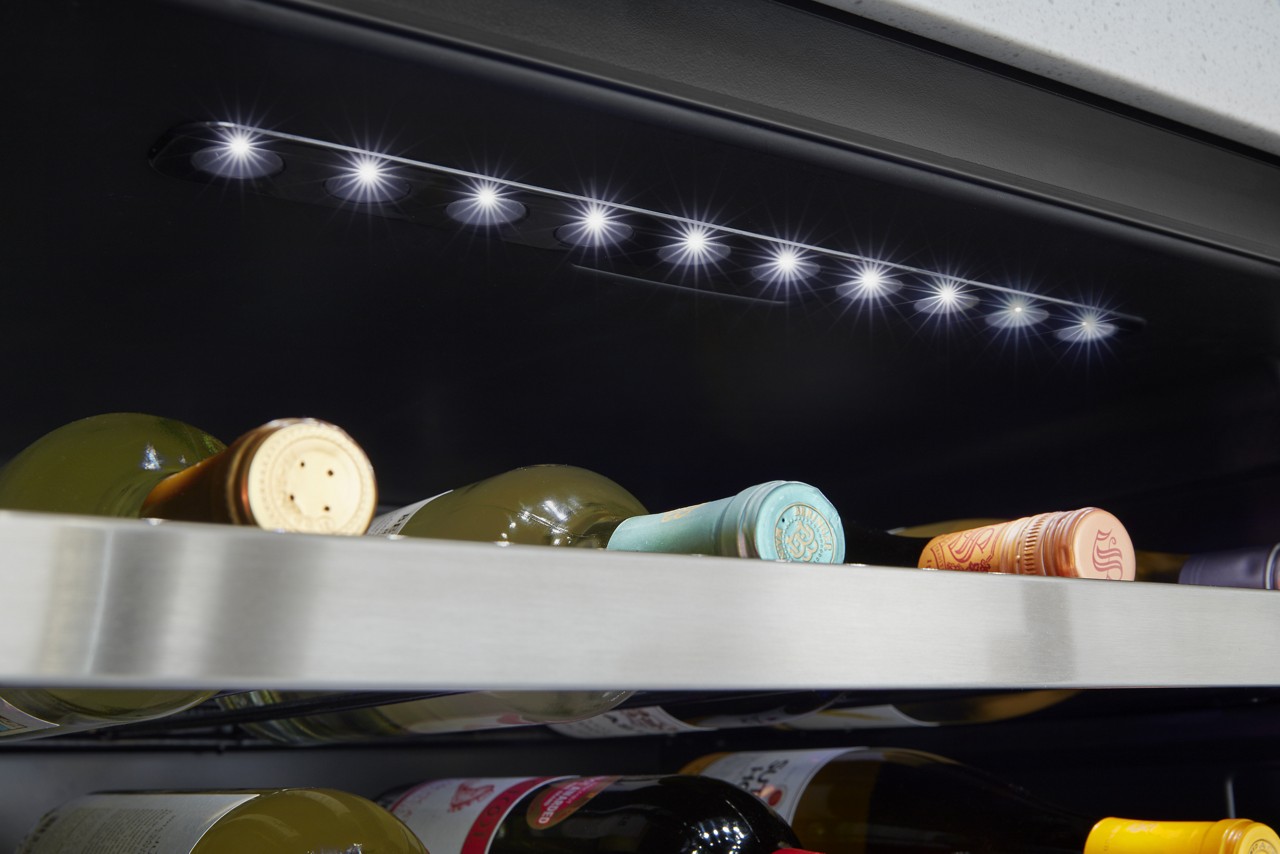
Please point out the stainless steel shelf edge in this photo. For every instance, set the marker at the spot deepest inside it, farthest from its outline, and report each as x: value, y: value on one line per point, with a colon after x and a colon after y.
x: 110, y: 602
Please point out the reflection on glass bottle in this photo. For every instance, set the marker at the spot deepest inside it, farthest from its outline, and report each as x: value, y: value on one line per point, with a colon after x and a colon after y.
x: 589, y: 815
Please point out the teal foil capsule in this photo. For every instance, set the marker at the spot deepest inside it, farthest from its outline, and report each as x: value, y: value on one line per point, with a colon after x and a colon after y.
x: 780, y: 520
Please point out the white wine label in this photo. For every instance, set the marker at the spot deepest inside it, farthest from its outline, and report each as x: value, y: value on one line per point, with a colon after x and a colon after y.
x: 14, y: 721
x: 649, y: 720
x: 394, y: 521
x: 861, y: 717
x: 461, y: 816
x: 777, y: 777
x: 130, y: 823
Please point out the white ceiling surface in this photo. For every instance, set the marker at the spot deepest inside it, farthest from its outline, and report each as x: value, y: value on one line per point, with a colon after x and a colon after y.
x: 1211, y: 65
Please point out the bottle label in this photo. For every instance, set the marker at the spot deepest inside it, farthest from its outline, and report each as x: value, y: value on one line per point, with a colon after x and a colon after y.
x: 558, y: 801
x: 393, y: 522
x: 776, y: 777
x: 14, y: 721
x: 650, y: 720
x: 461, y: 816
x: 860, y: 717
x: 130, y: 823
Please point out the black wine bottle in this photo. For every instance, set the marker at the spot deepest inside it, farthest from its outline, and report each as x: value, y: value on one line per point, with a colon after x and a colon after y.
x: 896, y: 801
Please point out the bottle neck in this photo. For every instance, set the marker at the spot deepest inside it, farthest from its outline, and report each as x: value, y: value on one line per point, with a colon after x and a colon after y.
x: 294, y: 474
x: 778, y: 520
x: 1228, y: 836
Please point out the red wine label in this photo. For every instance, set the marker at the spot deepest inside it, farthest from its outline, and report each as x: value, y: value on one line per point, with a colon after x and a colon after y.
x: 461, y: 816
x: 558, y: 801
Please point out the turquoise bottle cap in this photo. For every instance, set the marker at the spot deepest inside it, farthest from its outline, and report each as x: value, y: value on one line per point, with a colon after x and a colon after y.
x: 783, y: 520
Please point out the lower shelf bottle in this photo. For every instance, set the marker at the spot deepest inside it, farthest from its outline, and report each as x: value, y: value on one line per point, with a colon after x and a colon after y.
x: 850, y: 712
x: 702, y: 714
x: 268, y: 821
x: 897, y: 801
x: 467, y: 711
x: 589, y: 815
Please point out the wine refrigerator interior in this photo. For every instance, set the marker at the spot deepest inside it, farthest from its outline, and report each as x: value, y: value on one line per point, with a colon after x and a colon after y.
x: 691, y: 249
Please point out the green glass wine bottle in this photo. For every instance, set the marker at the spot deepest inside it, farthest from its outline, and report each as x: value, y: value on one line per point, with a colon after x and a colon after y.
x: 295, y: 474
x: 263, y: 821
x: 560, y: 505
x: 565, y: 506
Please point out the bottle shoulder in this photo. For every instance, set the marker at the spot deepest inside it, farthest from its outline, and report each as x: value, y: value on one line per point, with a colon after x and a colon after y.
x: 102, y: 465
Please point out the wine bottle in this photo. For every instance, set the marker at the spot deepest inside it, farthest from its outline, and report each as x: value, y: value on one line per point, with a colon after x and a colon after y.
x: 1253, y: 567
x: 259, y: 821
x: 564, y: 506
x: 1160, y: 567
x: 1083, y: 543
x: 896, y: 801
x: 589, y: 815
x: 560, y: 505
x: 702, y: 714
x: 849, y: 712
x: 461, y: 712
x: 296, y: 474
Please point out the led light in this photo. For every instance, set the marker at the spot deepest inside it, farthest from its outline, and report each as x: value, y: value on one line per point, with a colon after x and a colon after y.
x: 237, y: 156
x: 694, y: 246
x: 947, y: 297
x: 1018, y: 312
x: 367, y: 180
x: 786, y: 266
x: 486, y: 205
x: 868, y: 282
x: 595, y: 225
x: 1088, y: 327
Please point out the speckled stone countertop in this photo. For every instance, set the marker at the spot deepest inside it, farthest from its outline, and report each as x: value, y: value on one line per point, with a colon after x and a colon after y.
x: 1211, y: 65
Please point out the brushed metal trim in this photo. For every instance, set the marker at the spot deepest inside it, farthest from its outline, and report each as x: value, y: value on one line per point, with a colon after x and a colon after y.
x: 112, y: 602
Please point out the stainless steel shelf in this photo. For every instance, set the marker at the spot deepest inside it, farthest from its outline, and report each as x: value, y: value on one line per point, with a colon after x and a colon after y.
x: 110, y: 602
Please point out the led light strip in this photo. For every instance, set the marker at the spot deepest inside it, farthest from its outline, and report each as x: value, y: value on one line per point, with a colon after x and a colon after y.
x: 609, y: 237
